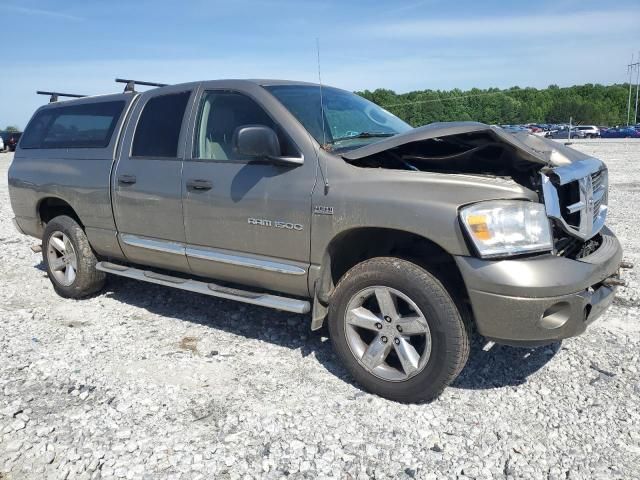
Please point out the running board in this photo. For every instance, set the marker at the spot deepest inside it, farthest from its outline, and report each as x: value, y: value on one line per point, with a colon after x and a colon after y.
x: 211, y: 289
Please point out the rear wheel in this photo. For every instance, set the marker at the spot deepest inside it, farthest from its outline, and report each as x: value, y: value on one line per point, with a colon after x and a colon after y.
x: 70, y: 262
x: 397, y: 330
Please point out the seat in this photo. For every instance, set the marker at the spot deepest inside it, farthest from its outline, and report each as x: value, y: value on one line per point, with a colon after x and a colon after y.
x: 224, y: 113
x: 221, y: 123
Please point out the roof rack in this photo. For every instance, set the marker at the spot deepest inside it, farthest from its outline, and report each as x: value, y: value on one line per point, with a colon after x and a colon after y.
x: 55, y: 95
x: 131, y: 84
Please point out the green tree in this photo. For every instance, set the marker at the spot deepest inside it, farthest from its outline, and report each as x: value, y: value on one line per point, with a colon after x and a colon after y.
x: 587, y: 104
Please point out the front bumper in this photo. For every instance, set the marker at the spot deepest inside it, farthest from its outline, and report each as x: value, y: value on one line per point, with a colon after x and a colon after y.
x: 539, y: 300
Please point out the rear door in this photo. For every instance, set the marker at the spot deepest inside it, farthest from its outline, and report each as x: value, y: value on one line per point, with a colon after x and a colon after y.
x: 147, y: 199
x: 247, y: 220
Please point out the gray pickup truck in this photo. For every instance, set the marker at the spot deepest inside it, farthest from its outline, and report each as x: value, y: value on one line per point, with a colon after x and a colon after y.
x: 306, y: 198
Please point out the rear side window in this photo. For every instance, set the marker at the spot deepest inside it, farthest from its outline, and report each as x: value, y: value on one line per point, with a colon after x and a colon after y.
x: 88, y: 125
x: 158, y: 129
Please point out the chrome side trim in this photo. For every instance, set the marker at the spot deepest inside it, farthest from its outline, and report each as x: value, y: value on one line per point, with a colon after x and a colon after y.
x: 242, y: 261
x: 211, y: 255
x: 255, y: 298
x: 151, y: 244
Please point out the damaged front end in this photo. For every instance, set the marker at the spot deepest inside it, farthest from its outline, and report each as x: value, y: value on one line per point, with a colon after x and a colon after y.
x: 572, y: 185
x: 534, y: 272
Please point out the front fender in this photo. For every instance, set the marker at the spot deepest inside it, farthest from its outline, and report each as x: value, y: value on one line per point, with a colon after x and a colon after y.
x: 421, y: 203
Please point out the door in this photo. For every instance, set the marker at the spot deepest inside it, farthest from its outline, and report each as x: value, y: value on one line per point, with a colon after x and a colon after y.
x: 247, y: 220
x: 147, y: 196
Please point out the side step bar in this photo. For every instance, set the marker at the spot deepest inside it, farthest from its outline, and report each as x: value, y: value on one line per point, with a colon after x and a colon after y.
x: 262, y: 299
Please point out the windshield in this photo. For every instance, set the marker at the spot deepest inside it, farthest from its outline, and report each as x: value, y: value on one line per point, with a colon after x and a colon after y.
x: 349, y: 120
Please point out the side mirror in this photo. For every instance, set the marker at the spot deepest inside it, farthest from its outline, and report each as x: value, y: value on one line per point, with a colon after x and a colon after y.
x: 261, y: 142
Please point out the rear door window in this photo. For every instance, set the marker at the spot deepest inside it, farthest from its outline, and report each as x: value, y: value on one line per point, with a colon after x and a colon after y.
x: 158, y: 129
x: 88, y: 125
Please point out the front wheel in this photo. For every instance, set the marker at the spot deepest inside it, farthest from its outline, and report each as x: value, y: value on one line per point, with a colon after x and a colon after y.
x: 397, y: 330
x: 70, y: 262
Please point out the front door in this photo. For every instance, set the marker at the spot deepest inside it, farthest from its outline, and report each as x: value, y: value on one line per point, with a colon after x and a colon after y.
x: 147, y: 196
x: 246, y: 220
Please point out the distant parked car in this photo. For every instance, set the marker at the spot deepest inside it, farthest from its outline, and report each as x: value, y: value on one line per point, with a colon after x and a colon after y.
x: 515, y: 129
x: 5, y: 137
x: 621, y: 132
x: 563, y: 133
x: 12, y: 141
x: 590, y: 131
x: 538, y: 130
x: 1, y: 145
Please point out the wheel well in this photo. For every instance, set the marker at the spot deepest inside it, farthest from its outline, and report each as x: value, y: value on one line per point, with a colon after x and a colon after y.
x: 355, y: 246
x: 52, y: 207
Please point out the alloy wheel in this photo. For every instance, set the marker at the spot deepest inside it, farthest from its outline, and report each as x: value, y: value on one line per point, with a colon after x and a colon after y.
x: 387, y: 333
x: 62, y: 258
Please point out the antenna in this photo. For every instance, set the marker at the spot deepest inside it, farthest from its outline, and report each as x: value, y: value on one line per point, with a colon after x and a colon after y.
x: 324, y: 134
x: 322, y: 119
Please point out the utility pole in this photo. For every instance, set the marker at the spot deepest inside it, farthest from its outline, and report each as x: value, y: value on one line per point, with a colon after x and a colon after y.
x: 635, y: 118
x: 630, y: 70
x: 631, y: 67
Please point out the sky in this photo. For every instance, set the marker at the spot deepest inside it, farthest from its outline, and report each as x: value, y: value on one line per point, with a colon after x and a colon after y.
x: 78, y: 46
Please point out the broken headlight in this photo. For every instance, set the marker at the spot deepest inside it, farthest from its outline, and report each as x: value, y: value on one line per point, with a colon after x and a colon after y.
x: 500, y: 228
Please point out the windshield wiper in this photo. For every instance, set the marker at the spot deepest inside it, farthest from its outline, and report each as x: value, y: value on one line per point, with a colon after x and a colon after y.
x: 363, y: 135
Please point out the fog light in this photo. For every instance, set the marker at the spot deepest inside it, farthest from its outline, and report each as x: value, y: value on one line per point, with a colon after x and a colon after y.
x: 555, y: 316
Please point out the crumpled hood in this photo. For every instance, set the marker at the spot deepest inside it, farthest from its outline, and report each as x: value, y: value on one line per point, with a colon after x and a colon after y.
x: 530, y: 147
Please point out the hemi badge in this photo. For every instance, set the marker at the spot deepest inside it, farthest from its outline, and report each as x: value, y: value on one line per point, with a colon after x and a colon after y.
x: 321, y: 210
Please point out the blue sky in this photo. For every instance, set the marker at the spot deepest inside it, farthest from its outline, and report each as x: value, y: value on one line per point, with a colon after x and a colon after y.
x: 81, y: 46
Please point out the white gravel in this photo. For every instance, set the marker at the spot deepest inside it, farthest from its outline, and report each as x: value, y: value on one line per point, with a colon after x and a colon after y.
x: 148, y: 382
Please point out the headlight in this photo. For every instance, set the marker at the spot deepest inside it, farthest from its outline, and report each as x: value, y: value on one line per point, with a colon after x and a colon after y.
x: 507, y: 227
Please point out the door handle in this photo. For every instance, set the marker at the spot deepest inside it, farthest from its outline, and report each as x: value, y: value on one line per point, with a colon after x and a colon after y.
x: 127, y: 179
x: 199, y: 184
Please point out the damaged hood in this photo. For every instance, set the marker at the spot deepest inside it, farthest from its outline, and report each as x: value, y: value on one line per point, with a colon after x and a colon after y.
x: 529, y: 147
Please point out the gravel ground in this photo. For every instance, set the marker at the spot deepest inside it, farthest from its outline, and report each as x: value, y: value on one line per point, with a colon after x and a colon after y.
x: 147, y: 382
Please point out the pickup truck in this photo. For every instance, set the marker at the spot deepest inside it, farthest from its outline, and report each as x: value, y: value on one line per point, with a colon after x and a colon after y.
x: 306, y: 198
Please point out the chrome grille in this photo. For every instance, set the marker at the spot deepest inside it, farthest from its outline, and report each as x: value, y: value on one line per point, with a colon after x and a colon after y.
x: 588, y: 180
x: 599, y: 187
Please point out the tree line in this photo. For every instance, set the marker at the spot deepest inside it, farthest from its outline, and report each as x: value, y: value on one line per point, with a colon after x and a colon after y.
x: 586, y: 104
x: 590, y: 104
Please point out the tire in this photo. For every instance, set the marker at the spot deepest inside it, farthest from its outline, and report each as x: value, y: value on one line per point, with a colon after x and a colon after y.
x: 70, y: 261
x: 443, y: 349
